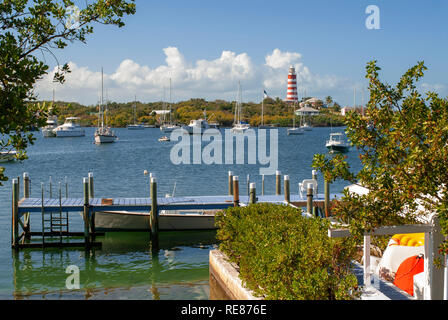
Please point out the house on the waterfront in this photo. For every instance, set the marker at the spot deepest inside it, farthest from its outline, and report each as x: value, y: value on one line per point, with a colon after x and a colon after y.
x: 307, y: 111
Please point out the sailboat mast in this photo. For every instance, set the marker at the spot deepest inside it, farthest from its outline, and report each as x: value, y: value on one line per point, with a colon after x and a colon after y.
x: 107, y: 100
x: 170, y: 102
x: 164, y: 105
x: 236, y: 111
x: 102, y: 111
x: 362, y: 102
x: 293, y: 115
x: 262, y: 107
x: 239, y: 102
x: 135, y: 106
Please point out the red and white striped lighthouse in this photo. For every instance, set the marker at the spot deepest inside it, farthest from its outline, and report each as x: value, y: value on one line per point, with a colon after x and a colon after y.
x: 291, y: 93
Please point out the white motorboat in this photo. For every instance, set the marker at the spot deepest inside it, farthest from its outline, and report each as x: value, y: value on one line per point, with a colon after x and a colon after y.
x: 70, y: 128
x: 6, y: 156
x: 164, y: 139
x: 48, y: 130
x: 168, y: 220
x: 103, y: 134
x: 239, y: 126
x: 294, y: 131
x: 336, y: 143
x: 305, y: 126
x: 198, y: 126
x: 135, y: 127
x: 169, y: 127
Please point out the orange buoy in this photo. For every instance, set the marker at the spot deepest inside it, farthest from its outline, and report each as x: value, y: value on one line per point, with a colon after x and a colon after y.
x: 404, y: 278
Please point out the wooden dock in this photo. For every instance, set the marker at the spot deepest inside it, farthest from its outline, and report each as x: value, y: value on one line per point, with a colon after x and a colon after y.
x: 55, y: 211
x: 144, y: 204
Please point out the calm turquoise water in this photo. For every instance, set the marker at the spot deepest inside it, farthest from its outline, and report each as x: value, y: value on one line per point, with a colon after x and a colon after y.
x: 125, y: 268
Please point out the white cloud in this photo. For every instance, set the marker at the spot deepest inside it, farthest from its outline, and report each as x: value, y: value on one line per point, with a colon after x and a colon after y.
x: 437, y: 87
x: 281, y: 60
x: 210, y: 79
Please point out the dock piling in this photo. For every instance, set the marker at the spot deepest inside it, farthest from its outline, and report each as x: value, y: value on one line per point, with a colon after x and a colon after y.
x: 66, y: 187
x: 309, y: 198
x: 91, y: 195
x: 43, y: 212
x: 262, y: 184
x: 50, y: 185
x: 327, y: 198
x: 154, y: 223
x: 61, y: 224
x: 86, y: 217
x: 92, y: 214
x: 15, y: 213
x: 26, y: 194
x: 236, y: 192
x: 26, y: 185
x: 278, y: 182
x: 286, y: 186
x: 247, y: 183
x: 230, y: 183
x: 252, y: 193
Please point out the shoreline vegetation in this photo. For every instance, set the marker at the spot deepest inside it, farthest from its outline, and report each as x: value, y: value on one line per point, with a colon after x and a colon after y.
x: 276, y: 112
x: 283, y: 255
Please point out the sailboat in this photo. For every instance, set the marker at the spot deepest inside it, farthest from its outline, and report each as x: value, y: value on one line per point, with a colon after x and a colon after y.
x: 238, y: 125
x: 52, y: 123
x: 305, y: 125
x: 103, y: 134
x: 135, y: 126
x: 294, y: 130
x: 168, y: 127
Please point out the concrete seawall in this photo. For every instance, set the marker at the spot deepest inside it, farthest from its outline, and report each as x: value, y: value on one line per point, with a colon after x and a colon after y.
x: 225, y: 283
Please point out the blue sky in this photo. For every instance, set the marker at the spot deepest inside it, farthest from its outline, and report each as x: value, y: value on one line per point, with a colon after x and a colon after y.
x: 326, y: 40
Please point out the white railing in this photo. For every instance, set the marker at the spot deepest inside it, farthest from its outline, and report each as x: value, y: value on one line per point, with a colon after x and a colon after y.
x: 436, y: 287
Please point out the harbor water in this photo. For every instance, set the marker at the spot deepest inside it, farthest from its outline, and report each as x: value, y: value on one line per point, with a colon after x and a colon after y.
x: 125, y: 267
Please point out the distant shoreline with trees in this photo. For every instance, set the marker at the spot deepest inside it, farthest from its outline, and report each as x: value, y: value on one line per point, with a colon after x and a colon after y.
x: 276, y: 112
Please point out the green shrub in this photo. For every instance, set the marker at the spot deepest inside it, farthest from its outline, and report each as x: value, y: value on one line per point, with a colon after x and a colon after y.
x: 283, y: 255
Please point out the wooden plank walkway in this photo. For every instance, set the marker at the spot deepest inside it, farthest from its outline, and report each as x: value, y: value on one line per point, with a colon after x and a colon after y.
x: 144, y: 204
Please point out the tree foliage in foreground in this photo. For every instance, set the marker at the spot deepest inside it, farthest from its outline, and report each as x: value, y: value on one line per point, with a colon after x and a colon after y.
x: 403, y: 145
x: 282, y: 255
x: 29, y: 33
